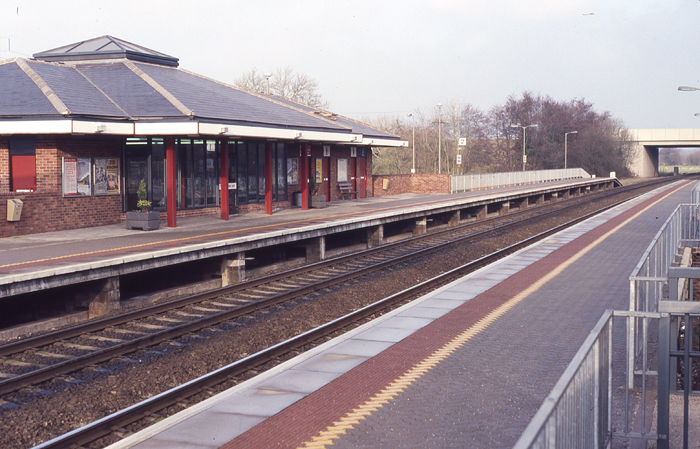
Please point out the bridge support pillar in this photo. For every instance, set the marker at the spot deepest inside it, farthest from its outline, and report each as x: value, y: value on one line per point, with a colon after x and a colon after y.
x: 233, y: 269
x: 375, y: 236
x: 316, y: 250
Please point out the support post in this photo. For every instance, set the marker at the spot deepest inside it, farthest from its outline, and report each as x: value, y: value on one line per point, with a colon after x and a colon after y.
x: 305, y: 153
x: 171, y: 173
x: 105, y: 298
x: 454, y: 219
x: 268, y: 178
x: 421, y: 226
x: 663, y: 384
x: 316, y: 250
x: 223, y: 164
x: 375, y: 236
x: 233, y: 269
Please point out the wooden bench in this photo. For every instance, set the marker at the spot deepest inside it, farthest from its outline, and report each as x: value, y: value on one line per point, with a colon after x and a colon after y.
x: 346, y: 189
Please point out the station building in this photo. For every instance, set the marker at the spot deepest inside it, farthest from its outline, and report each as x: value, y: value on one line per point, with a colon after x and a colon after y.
x: 82, y: 125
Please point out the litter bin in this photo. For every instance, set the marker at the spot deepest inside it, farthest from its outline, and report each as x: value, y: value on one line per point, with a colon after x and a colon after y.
x: 14, y: 210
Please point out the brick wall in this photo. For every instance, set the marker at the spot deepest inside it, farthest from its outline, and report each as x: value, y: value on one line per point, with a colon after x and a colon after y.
x: 46, y: 209
x: 398, y: 184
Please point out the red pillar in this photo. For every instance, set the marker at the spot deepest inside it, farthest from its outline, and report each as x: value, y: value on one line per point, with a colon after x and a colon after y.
x: 170, y: 174
x: 268, y: 178
x: 223, y: 168
x: 304, y: 174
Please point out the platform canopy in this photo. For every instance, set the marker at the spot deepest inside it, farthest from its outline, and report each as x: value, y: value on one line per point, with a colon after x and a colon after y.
x: 110, y: 86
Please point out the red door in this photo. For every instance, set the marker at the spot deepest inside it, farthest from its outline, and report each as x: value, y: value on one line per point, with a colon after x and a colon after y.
x: 363, y: 177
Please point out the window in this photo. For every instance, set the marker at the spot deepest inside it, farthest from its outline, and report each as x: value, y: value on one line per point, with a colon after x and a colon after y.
x: 23, y: 163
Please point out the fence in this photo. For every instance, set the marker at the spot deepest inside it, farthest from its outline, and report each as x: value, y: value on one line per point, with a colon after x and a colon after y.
x: 465, y: 183
x: 649, y: 279
x: 579, y: 410
x: 577, y: 413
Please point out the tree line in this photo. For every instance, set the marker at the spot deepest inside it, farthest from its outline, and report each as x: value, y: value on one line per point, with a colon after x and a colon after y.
x: 494, y: 139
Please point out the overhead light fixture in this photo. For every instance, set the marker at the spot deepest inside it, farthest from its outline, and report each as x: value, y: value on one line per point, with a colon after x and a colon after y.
x: 223, y: 130
x: 101, y: 128
x: 297, y: 135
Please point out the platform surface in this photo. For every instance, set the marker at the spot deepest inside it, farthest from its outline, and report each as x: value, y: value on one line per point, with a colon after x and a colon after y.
x: 465, y: 366
x: 39, y: 256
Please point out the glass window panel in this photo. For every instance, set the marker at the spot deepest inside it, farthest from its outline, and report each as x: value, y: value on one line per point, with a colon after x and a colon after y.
x: 212, y: 174
x: 252, y: 172
x: 199, y: 174
x: 232, y: 170
x: 261, y: 172
x: 242, y: 173
x: 158, y: 174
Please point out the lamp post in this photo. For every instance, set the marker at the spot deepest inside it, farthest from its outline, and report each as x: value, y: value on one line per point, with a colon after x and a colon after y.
x: 565, y: 136
x: 524, y: 128
x: 267, y: 76
x: 439, y: 105
x: 413, y: 127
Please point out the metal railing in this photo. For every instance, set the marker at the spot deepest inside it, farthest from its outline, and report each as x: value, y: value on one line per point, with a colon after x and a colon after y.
x: 579, y: 410
x: 465, y: 183
x: 577, y: 413
x: 649, y: 279
x: 695, y: 194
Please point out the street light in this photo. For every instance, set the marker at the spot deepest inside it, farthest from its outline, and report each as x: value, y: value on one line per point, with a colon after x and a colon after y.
x: 565, y: 136
x: 413, y: 170
x: 524, y: 128
x: 439, y: 105
x: 267, y: 76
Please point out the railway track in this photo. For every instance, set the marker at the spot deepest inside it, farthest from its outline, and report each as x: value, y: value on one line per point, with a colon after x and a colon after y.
x: 34, y: 360
x: 287, y: 349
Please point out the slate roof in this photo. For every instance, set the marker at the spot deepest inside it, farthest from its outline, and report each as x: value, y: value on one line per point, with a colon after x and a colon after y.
x: 111, y: 79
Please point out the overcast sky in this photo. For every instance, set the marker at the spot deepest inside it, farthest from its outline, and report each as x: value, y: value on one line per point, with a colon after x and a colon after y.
x: 374, y: 57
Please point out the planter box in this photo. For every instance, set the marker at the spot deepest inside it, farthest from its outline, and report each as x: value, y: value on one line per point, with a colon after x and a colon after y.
x: 317, y: 201
x: 147, y: 221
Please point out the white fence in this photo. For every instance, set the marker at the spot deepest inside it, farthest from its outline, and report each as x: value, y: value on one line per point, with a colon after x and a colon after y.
x: 465, y: 183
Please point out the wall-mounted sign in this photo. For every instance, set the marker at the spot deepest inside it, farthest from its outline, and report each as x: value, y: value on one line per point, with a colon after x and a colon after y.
x: 353, y: 151
x: 76, y: 176
x: 326, y: 151
x: 107, y: 176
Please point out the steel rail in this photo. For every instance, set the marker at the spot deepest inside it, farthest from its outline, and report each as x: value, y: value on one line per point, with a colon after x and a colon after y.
x: 107, y: 425
x: 42, y: 374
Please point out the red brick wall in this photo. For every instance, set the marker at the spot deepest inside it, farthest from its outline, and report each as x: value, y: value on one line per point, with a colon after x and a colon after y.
x: 46, y: 209
x: 398, y: 184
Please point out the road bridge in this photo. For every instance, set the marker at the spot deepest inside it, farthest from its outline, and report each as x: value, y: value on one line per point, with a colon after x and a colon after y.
x: 645, y: 162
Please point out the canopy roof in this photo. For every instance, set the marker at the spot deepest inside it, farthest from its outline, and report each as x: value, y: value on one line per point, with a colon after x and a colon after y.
x: 107, y: 85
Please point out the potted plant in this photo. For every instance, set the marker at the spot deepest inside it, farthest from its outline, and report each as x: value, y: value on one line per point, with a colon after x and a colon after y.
x: 143, y: 218
x: 316, y: 199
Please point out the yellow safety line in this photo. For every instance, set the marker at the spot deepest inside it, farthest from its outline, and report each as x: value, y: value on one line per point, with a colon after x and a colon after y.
x: 144, y: 245
x: 333, y: 432
x: 231, y: 231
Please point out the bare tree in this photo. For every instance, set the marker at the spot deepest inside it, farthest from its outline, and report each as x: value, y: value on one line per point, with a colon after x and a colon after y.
x: 284, y: 83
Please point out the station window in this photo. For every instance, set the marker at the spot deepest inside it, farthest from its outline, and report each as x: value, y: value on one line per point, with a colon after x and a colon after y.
x: 23, y: 163
x: 249, y: 160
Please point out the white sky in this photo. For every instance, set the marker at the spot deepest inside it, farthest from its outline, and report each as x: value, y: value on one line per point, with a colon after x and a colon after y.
x: 627, y: 57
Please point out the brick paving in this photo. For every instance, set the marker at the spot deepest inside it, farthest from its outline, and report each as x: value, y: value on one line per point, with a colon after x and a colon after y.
x: 486, y: 392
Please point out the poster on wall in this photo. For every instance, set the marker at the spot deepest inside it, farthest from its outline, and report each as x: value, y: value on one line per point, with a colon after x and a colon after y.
x: 292, y: 171
x: 107, y: 176
x: 342, y: 170
x: 319, y: 171
x: 76, y: 176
